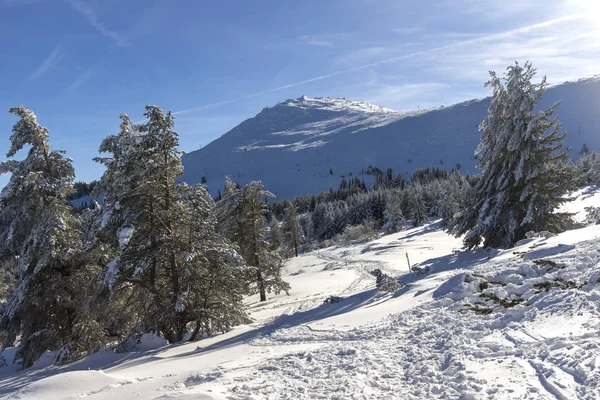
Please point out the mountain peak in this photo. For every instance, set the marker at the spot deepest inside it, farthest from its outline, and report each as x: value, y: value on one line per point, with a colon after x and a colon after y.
x: 333, y: 104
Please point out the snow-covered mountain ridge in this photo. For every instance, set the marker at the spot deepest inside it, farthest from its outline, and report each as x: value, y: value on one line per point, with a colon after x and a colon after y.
x: 306, y: 145
x: 333, y: 104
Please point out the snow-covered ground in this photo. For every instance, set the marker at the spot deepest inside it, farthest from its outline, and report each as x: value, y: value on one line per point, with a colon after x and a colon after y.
x: 444, y: 335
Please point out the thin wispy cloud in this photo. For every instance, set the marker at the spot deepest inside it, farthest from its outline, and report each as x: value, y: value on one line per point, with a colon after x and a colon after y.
x: 563, y: 53
x: 80, y: 81
x: 325, y: 40
x: 448, y: 36
x: 451, y: 46
x: 219, y: 103
x: 49, y: 62
x: 458, y: 44
x: 313, y: 41
x: 92, y: 17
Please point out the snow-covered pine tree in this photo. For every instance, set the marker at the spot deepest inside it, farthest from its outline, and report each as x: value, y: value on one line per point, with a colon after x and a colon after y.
x: 520, y: 153
x: 359, y: 209
x: 450, y: 201
x: 291, y: 228
x: 417, y: 203
x: 44, y: 237
x: 394, y: 217
x: 377, y: 199
x: 306, y: 223
x: 242, y: 214
x: 340, y: 212
x: 165, y: 266
x: 116, y: 303
x: 584, y: 150
x: 587, y: 169
x: 213, y: 271
x: 319, y: 219
x: 136, y: 218
x: 275, y: 234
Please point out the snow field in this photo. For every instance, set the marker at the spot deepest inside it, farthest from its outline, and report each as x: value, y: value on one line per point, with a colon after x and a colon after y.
x: 521, y: 323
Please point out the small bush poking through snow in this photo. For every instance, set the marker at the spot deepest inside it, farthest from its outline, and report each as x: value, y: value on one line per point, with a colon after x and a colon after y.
x: 557, y: 283
x: 332, y: 300
x: 385, y: 282
x: 492, y: 294
x: 421, y: 270
x: 548, y: 264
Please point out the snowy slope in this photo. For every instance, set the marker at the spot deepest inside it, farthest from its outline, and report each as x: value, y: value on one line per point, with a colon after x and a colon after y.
x: 420, y: 342
x: 292, y: 146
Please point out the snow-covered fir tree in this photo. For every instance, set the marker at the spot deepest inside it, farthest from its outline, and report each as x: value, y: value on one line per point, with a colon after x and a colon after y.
x: 213, y: 271
x: 275, y: 233
x: 330, y: 219
x: 242, y: 215
x: 587, y: 170
x: 359, y: 209
x: 306, y: 223
x: 322, y: 218
x: 394, y: 217
x: 449, y: 202
x: 523, y: 180
x: 417, y: 204
x: 164, y: 265
x: 44, y: 238
x: 291, y: 228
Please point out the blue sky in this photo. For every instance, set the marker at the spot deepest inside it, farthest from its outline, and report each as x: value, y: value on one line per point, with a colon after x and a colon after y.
x: 80, y: 63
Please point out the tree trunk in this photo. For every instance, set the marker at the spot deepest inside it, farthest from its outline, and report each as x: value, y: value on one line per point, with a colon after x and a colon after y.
x: 196, y: 331
x: 259, y: 278
x: 153, y: 247
x: 261, y: 286
x: 176, y: 285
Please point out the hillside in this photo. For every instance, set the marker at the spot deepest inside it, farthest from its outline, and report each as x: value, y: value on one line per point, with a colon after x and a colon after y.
x: 424, y: 341
x: 305, y: 145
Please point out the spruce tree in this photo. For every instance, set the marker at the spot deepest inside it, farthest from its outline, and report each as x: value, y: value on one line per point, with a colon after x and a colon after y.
x: 275, y: 234
x: 44, y: 239
x: 214, y: 272
x: 307, y: 230
x: 523, y: 181
x: 587, y: 170
x: 164, y: 264
x: 242, y: 213
x: 394, y: 217
x: 291, y: 228
x: 417, y: 204
x: 137, y: 217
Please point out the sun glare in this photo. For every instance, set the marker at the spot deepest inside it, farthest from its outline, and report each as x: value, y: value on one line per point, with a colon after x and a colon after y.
x: 591, y: 8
